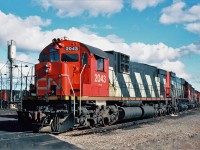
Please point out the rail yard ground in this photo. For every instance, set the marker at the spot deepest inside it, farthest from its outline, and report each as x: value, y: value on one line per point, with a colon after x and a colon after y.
x: 12, y: 139
x: 165, y: 133
x: 162, y: 133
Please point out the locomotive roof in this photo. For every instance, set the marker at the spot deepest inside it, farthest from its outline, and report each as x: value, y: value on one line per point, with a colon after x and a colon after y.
x: 96, y: 51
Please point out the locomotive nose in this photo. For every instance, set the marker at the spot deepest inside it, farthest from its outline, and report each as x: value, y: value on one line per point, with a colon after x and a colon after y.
x: 53, y: 79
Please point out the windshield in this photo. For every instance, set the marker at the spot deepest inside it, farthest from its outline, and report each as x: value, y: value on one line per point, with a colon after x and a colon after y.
x: 54, y: 57
x: 69, y: 57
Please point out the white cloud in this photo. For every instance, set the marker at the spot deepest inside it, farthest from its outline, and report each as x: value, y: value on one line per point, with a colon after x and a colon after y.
x: 44, y: 3
x: 193, y: 27
x: 91, y: 8
x: 178, y: 13
x: 94, y: 26
x: 191, y: 48
x: 140, y: 5
x: 115, y: 39
x: 27, y: 57
x: 27, y: 34
x: 31, y: 38
x: 175, y: 66
x: 147, y: 53
x: 36, y: 21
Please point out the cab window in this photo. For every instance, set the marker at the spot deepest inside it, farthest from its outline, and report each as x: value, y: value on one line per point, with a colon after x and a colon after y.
x: 100, y: 64
x: 69, y: 57
x: 43, y: 58
x: 54, y: 57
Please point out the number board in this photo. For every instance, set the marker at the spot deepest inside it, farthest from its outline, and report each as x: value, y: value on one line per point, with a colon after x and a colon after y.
x: 71, y: 48
x: 100, y: 78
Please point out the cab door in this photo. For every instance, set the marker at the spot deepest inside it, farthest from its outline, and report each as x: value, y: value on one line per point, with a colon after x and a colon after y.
x: 99, y: 76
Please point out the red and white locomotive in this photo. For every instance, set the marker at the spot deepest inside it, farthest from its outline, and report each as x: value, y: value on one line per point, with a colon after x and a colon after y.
x: 80, y: 85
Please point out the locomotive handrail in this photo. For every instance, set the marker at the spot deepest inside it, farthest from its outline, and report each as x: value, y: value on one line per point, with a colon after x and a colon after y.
x: 73, y: 93
x: 66, y: 75
x: 81, y: 88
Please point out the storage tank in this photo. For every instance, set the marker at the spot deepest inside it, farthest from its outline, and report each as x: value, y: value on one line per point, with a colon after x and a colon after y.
x: 11, y: 50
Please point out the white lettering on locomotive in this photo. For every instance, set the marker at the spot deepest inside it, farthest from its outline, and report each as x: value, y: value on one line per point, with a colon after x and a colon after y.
x: 100, y: 78
x: 69, y: 48
x: 49, y: 81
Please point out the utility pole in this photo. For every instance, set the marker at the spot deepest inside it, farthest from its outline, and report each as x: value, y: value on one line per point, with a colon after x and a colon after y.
x: 1, y: 91
x: 6, y: 88
x: 11, y: 77
x: 26, y: 83
x: 21, y: 92
x: 21, y: 86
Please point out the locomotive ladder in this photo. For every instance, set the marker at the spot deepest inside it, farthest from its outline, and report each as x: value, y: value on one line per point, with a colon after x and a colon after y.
x: 73, y: 93
x: 174, y: 97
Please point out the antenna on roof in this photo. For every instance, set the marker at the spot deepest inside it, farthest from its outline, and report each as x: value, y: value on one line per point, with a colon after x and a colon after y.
x: 65, y: 38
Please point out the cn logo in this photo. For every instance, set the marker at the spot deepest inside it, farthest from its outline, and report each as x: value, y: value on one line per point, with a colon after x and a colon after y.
x: 49, y: 82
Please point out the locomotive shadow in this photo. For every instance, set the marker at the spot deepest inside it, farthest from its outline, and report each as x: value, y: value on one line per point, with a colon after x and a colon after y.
x: 9, y: 126
x: 8, y: 116
x: 9, y: 122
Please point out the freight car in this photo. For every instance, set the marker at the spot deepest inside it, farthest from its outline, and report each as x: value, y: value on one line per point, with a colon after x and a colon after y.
x: 80, y: 85
x: 3, y: 98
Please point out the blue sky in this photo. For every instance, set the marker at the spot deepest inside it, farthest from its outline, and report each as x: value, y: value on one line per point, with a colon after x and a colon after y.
x: 164, y: 33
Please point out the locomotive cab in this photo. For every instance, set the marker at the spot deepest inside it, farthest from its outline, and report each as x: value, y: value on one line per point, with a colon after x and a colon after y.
x: 68, y: 67
x: 57, y: 72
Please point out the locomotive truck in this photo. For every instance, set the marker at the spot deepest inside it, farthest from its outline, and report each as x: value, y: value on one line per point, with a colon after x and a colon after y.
x: 78, y: 85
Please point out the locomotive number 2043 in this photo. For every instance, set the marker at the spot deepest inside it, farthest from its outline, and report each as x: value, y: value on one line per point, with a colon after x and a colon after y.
x: 100, y: 78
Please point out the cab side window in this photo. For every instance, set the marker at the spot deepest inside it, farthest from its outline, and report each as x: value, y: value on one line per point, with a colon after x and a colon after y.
x: 84, y: 59
x: 100, y: 64
x: 43, y: 58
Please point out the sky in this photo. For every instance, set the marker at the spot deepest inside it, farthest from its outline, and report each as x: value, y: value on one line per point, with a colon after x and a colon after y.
x: 162, y: 33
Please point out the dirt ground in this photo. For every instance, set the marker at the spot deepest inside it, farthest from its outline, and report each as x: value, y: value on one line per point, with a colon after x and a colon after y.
x: 180, y: 132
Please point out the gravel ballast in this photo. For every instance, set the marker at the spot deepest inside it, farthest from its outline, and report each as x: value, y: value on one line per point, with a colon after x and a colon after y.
x: 171, y: 133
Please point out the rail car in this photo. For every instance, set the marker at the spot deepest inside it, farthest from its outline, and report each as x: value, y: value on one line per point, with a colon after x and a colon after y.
x: 80, y: 85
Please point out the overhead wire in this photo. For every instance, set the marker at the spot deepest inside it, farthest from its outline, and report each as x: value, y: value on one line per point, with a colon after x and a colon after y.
x: 24, y: 62
x: 19, y: 71
x: 3, y: 65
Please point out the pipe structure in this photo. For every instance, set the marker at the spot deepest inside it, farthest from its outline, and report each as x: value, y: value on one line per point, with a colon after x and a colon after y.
x: 11, y: 57
x: 81, y: 88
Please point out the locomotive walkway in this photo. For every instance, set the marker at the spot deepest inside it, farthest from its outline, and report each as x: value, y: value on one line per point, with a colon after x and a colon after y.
x: 12, y: 138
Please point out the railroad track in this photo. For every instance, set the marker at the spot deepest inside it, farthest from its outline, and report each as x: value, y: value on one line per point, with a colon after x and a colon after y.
x: 78, y: 132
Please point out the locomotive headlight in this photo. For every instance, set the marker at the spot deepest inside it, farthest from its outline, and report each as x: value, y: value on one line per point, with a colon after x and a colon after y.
x: 48, y: 70
x: 47, y: 65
